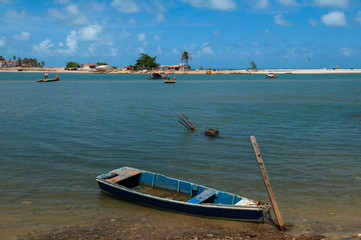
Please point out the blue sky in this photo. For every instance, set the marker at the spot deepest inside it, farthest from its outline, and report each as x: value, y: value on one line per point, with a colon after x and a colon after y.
x: 217, y: 33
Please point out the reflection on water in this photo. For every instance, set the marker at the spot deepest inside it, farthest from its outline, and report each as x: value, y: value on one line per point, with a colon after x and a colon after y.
x: 55, y: 138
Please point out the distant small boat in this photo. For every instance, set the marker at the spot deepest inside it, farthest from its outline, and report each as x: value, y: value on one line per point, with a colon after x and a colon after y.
x: 48, y: 80
x: 270, y: 75
x: 177, y: 195
x: 169, y: 81
x: 154, y: 76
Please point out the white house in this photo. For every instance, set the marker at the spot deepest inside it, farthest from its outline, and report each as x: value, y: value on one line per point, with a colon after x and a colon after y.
x: 8, y: 64
x: 104, y: 68
x: 87, y: 66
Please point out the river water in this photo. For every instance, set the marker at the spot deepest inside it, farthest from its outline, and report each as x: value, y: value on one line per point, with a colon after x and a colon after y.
x: 56, y: 137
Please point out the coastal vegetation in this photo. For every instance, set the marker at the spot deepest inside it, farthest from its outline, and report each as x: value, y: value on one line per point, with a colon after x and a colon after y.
x: 72, y: 65
x: 146, y: 62
x: 26, y: 62
x: 185, y: 58
x: 253, y: 65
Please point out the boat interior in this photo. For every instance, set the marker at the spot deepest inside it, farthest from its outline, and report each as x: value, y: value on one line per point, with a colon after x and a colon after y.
x: 165, y: 187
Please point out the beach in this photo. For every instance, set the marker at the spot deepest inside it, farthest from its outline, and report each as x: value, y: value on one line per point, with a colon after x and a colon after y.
x: 261, y: 71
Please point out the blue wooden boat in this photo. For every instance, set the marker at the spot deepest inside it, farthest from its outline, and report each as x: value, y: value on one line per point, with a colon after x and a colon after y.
x: 177, y: 195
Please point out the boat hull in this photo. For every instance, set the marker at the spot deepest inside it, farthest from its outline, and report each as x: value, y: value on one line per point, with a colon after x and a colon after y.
x: 223, y: 211
x: 48, y: 80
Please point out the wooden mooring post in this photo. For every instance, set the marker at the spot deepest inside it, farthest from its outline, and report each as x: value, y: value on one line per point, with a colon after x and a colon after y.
x: 267, y: 182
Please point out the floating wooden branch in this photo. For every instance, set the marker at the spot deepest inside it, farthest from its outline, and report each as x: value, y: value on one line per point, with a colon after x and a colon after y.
x: 186, y: 122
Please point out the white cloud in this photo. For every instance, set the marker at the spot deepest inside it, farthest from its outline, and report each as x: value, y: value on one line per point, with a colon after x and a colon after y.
x: 141, y: 37
x: 61, y: 1
x: 216, y: 33
x: 71, y: 43
x: 159, y: 10
x: 160, y: 18
x: 332, y: 3
x: 175, y: 51
x: 312, y: 22
x: 124, y: 34
x: 113, y: 52
x: 2, y: 41
x: 346, y: 51
x: 157, y: 38
x: 268, y: 32
x: 131, y: 21
x: 125, y: 6
x: 141, y: 50
x: 258, y: 4
x: 334, y: 19
x: 4, y: 1
x: 14, y: 14
x: 97, y: 6
x: 289, y: 3
x: 92, y: 48
x: 222, y: 5
x: 70, y: 15
x: 358, y: 17
x: 23, y: 36
x: 279, y: 20
x: 44, y: 47
x: 159, y: 51
x: 90, y: 33
x: 207, y: 50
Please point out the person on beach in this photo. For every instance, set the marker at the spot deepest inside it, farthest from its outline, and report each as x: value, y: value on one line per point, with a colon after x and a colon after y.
x: 46, y: 75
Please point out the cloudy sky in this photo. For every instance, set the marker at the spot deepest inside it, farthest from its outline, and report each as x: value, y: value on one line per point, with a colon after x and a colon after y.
x: 216, y: 33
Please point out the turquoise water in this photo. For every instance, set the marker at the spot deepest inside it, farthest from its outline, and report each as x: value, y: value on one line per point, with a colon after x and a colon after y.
x: 56, y: 137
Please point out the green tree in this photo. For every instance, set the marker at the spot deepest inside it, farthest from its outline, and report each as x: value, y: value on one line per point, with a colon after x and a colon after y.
x: 42, y: 63
x: 185, y: 58
x: 146, y: 62
x: 100, y: 63
x: 253, y: 65
x: 1, y: 58
x: 72, y: 65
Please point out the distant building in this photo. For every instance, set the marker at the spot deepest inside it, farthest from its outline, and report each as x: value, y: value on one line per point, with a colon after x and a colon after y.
x: 87, y: 66
x: 104, y: 68
x: 8, y: 64
x: 174, y: 68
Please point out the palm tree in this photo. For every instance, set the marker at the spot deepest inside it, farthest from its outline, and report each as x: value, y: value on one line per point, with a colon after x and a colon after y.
x: 185, y: 58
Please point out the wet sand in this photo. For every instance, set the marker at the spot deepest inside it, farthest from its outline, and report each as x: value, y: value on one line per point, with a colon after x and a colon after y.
x: 156, y: 229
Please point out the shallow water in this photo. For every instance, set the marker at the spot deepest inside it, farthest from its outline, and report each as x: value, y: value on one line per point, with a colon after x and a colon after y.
x: 56, y: 137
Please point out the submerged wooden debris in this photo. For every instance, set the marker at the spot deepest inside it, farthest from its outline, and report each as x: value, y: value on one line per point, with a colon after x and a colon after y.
x: 211, y: 132
x: 186, y: 122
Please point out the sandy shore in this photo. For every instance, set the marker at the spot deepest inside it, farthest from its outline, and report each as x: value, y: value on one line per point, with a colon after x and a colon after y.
x: 111, y: 229
x: 263, y: 71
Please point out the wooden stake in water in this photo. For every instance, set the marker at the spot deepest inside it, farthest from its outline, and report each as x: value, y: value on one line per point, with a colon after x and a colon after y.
x: 267, y: 182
